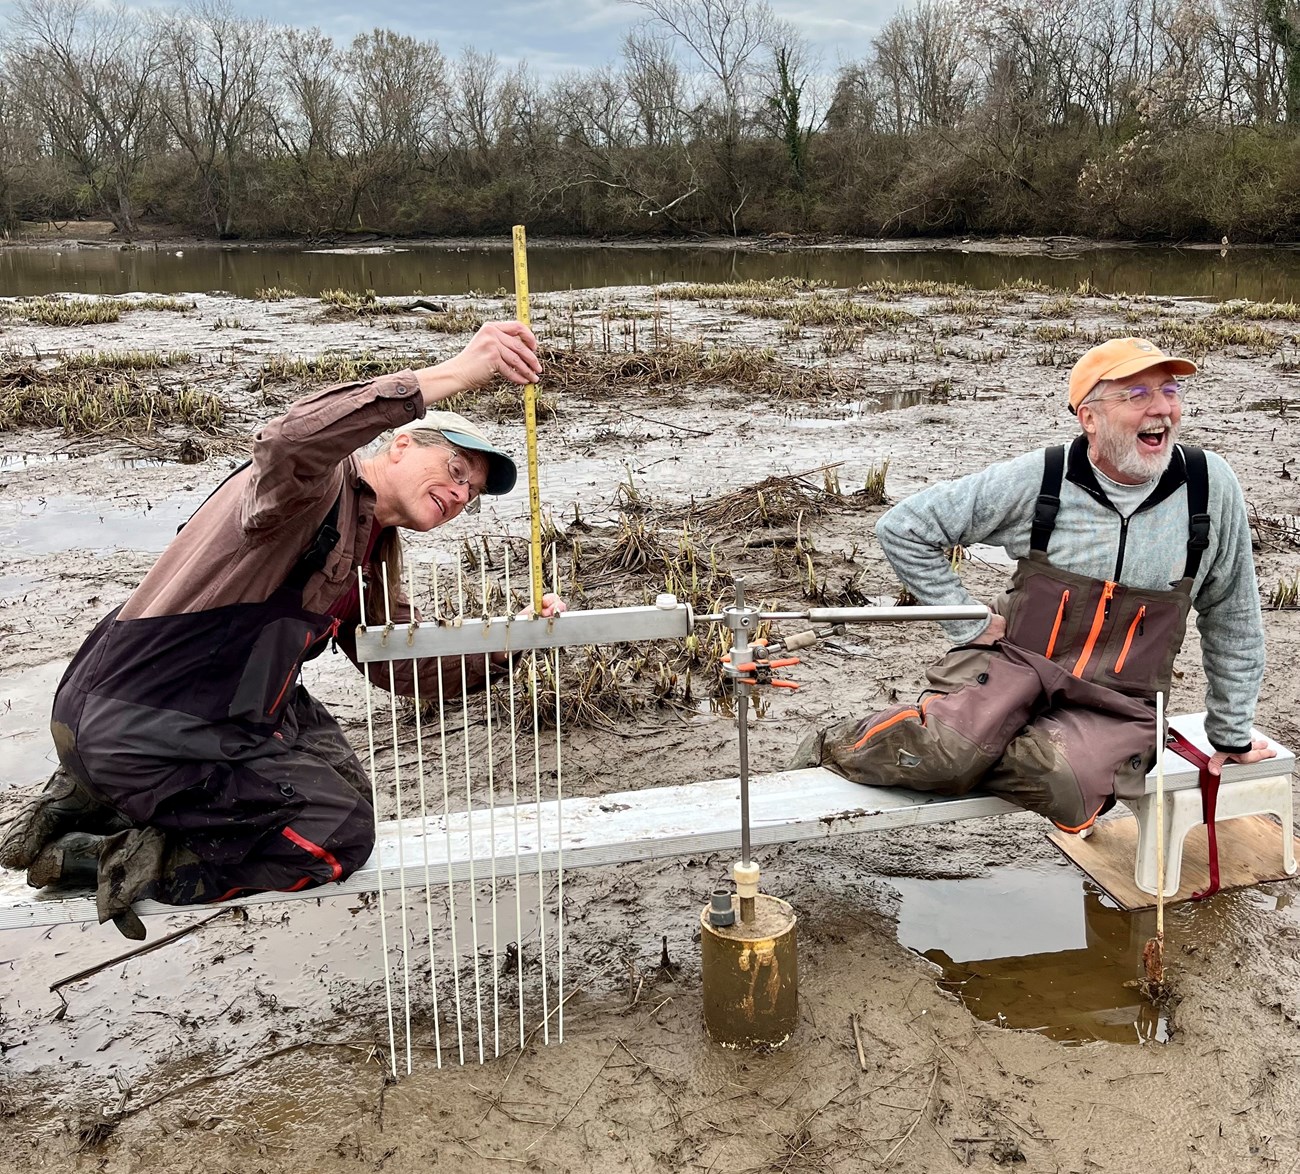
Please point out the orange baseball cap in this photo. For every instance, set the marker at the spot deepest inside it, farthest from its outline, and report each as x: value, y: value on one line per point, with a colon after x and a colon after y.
x: 1118, y: 359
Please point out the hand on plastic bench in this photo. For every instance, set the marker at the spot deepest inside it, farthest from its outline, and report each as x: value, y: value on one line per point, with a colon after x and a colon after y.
x: 1259, y: 750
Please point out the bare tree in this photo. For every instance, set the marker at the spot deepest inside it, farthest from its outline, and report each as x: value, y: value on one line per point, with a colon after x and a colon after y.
x: 19, y: 149
x: 1256, y: 63
x: 397, y: 88
x: 309, y: 112
x: 216, y: 97
x: 90, y: 74
x: 655, y: 86
x: 922, y: 57
x: 726, y: 37
x: 856, y: 104
x: 307, y: 119
x: 592, y: 108
x: 473, y: 98
x: 1282, y: 18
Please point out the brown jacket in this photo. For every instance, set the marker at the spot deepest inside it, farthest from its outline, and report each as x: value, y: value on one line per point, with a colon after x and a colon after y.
x: 242, y: 543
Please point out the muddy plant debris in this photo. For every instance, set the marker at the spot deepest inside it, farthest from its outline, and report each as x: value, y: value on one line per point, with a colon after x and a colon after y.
x: 675, y: 365
x: 54, y: 311
x: 770, y: 288
x: 125, y: 360
x: 822, y: 310
x: 342, y: 304
x: 101, y: 397
x: 775, y: 501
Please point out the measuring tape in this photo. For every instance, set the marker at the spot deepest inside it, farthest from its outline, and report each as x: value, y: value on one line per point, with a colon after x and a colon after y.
x: 530, y: 423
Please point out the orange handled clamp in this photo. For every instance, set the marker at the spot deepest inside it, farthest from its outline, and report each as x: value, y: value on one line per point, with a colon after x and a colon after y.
x: 761, y: 670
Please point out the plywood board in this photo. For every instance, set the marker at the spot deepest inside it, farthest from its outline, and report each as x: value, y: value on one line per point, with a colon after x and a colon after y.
x: 1250, y: 853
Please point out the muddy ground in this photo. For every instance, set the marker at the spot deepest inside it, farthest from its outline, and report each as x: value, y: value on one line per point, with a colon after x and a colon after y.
x: 259, y: 1042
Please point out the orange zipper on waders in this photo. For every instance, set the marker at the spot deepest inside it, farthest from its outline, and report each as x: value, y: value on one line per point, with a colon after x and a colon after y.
x: 1135, y: 626
x: 311, y: 639
x: 1056, y: 627
x: 1098, y: 619
x: 889, y: 721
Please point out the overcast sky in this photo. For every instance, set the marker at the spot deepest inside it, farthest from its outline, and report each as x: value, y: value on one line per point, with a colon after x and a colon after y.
x: 555, y: 35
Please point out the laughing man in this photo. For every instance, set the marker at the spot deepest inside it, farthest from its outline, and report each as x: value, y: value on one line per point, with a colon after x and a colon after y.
x: 1051, y: 702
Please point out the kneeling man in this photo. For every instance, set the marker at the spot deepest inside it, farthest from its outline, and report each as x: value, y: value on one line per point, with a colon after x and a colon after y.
x: 195, y: 766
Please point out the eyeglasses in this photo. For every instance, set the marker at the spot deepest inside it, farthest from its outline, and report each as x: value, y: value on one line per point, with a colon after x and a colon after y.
x: 458, y: 469
x: 1140, y: 396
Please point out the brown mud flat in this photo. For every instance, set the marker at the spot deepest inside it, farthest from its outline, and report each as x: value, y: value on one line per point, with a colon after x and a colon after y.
x: 258, y: 1042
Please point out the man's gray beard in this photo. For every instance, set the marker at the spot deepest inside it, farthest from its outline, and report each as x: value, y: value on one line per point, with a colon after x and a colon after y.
x: 1119, y: 448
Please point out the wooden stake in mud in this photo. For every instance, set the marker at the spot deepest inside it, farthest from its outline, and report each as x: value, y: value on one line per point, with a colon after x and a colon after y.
x: 1153, y: 954
x: 530, y: 423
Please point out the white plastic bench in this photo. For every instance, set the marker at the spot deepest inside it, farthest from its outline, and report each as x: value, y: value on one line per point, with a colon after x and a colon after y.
x: 663, y: 822
x: 1256, y: 788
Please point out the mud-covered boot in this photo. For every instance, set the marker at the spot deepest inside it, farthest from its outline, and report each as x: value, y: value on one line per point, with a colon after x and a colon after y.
x: 70, y: 860
x: 808, y: 752
x: 63, y: 806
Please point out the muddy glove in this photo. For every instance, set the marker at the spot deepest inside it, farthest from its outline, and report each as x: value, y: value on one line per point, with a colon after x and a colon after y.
x: 121, y: 868
x: 130, y: 867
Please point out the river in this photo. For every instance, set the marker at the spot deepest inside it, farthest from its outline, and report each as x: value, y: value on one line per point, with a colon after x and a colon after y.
x: 439, y: 269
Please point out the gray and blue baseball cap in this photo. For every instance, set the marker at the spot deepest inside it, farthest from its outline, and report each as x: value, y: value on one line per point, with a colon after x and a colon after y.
x: 465, y: 434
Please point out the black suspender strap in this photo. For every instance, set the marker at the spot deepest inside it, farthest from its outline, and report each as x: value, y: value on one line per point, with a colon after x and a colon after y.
x: 1192, y: 471
x: 1198, y: 507
x: 313, y: 558
x: 1049, y: 497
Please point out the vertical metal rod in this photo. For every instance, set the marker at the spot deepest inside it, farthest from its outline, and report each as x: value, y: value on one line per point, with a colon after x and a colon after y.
x: 534, y: 685
x: 469, y: 817
x: 424, y: 819
x: 514, y: 796
x: 492, y: 823
x: 742, y: 728
x: 559, y: 823
x: 446, y: 824
x: 374, y: 806
x: 401, y: 830
x: 740, y: 618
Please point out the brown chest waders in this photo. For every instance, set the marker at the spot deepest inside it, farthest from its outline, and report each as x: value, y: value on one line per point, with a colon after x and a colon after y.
x: 1059, y: 715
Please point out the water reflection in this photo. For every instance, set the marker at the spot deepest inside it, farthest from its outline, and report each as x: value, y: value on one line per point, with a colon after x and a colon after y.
x: 1259, y: 274
x: 1039, y: 949
x: 25, y: 460
x: 46, y: 525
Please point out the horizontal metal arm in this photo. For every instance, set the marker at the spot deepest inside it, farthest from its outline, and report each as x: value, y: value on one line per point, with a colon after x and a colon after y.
x: 478, y: 637
x: 866, y: 615
x: 874, y: 615
x: 608, y: 625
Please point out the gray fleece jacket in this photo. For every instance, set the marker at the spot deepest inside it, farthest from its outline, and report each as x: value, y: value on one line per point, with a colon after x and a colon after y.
x: 996, y: 506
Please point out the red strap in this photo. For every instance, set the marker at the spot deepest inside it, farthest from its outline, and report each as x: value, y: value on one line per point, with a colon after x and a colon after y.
x: 1209, y: 802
